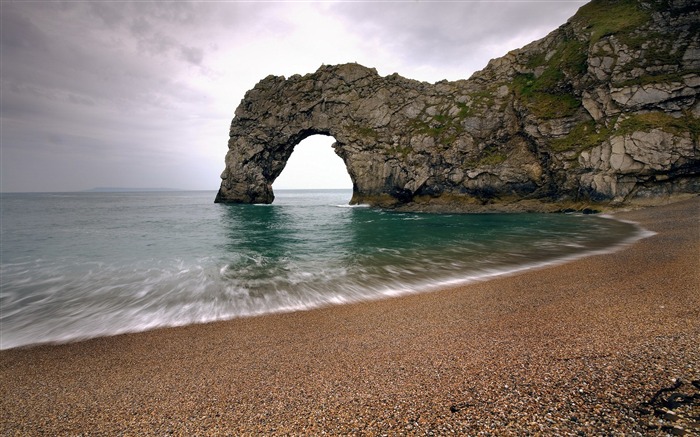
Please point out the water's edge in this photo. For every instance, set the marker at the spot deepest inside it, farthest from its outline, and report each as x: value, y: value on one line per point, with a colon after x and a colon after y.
x: 81, y: 266
x: 436, y: 286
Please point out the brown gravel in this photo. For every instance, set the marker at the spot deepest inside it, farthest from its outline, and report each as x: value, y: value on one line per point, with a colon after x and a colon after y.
x: 602, y: 345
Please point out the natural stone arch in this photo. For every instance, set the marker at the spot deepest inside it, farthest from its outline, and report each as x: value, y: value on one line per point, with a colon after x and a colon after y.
x: 343, y: 102
x: 538, y: 129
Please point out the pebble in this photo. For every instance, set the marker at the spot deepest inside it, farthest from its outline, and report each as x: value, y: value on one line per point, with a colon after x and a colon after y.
x: 563, y: 357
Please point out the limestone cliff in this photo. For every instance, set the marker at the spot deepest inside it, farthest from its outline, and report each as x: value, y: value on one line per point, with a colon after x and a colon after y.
x: 602, y: 112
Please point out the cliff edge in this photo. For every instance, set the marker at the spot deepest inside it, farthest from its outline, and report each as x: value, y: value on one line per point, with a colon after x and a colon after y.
x: 601, y: 113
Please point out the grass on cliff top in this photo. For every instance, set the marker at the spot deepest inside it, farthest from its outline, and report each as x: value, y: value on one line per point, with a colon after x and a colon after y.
x: 611, y: 17
x: 570, y: 57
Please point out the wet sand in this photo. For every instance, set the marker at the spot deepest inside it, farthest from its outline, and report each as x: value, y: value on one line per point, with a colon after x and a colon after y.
x: 590, y: 346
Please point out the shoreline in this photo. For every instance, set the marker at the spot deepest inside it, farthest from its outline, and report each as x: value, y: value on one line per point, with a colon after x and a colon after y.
x: 43, y: 332
x: 383, y: 291
x: 579, y: 346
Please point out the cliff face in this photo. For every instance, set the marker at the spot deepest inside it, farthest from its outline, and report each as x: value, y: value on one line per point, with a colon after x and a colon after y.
x: 602, y: 112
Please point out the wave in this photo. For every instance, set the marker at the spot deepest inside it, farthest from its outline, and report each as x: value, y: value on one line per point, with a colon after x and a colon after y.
x: 114, y: 264
x: 347, y: 205
x: 104, y: 300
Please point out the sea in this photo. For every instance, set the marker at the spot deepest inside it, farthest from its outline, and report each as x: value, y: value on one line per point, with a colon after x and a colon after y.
x: 80, y: 265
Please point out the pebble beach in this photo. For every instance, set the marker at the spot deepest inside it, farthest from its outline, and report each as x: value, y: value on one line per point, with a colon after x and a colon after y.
x: 607, y: 344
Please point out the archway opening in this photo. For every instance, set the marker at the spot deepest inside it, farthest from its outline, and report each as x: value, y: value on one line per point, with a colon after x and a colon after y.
x: 313, y: 165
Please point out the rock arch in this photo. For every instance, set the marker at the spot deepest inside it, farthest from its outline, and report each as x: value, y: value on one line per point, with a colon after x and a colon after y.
x: 279, y: 113
x: 538, y: 129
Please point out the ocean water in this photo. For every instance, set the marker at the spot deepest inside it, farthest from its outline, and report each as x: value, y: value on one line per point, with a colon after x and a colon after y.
x: 81, y: 265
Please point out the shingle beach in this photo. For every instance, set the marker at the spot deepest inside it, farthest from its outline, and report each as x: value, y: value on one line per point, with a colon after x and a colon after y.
x: 607, y: 344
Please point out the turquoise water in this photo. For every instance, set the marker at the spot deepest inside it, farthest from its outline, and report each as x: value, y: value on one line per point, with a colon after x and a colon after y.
x: 80, y: 265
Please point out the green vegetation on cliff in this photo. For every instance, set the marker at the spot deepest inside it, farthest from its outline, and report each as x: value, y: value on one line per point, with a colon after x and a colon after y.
x: 582, y: 137
x: 587, y: 135
x: 545, y: 95
x: 611, y: 17
x: 491, y: 157
x: 645, y: 122
x: 443, y: 128
x: 548, y: 92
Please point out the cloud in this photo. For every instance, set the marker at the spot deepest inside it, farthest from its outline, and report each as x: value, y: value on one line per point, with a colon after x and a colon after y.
x: 19, y: 33
x: 457, y: 38
x: 110, y: 13
x: 193, y: 55
x: 145, y: 91
x: 86, y: 74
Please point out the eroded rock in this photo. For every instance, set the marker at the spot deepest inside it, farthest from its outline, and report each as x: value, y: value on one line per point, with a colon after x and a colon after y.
x: 578, y: 117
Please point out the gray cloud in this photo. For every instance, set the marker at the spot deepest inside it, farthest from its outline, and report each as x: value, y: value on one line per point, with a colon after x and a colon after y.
x: 144, y: 91
x: 452, y: 33
x: 19, y: 33
x: 87, y: 83
x: 193, y: 55
x: 110, y: 14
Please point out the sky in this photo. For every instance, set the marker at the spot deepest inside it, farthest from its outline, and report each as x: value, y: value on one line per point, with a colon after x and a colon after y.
x: 141, y: 94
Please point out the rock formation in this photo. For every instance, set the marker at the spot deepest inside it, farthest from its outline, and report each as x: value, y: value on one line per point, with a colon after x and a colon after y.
x: 602, y: 112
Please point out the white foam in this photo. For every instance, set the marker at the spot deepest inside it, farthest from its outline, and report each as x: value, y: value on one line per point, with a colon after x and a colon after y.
x: 108, y: 299
x: 359, y: 205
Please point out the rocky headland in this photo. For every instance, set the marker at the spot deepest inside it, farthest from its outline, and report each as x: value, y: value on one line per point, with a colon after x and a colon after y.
x: 601, y: 113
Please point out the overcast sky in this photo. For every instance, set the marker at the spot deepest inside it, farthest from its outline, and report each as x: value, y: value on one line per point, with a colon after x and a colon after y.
x: 141, y: 94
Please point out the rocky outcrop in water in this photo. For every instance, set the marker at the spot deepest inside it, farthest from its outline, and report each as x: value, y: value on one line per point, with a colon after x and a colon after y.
x: 602, y: 112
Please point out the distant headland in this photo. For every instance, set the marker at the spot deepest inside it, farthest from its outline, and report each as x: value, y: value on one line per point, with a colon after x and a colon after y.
x: 601, y: 113
x: 127, y: 190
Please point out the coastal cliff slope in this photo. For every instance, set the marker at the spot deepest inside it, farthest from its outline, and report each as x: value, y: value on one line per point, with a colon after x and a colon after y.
x: 601, y: 113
